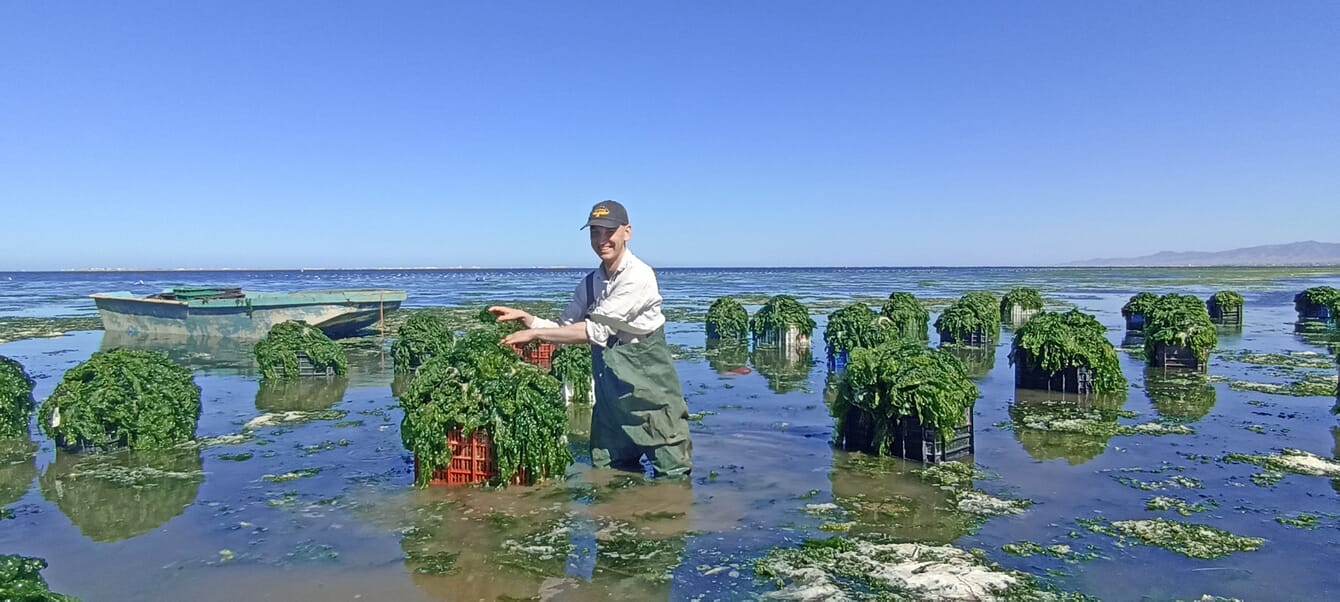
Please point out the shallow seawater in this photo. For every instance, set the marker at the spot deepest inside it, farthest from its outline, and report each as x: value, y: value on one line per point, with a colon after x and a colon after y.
x: 302, y: 491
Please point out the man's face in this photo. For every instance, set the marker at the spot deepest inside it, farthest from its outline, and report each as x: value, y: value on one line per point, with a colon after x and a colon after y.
x: 608, y: 243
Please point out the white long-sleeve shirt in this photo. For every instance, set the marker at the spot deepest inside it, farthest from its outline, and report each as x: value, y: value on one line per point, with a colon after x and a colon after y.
x: 627, y: 304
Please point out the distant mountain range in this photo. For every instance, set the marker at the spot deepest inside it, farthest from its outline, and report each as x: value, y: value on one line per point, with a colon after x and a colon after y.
x: 1308, y: 253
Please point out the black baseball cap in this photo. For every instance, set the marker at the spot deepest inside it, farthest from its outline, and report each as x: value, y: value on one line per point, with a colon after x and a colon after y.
x: 609, y: 214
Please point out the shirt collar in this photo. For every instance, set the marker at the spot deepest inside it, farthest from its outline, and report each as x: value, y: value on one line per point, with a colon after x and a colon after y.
x: 626, y: 261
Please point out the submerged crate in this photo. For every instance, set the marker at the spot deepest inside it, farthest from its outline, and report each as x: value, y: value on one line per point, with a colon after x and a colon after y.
x: 471, y: 462
x: 976, y: 338
x: 1174, y: 356
x: 1308, y: 312
x: 539, y: 354
x: 1077, y: 380
x: 1017, y: 315
x: 1135, y: 321
x: 791, y: 339
x: 908, y: 439
x: 1225, y: 316
x: 837, y: 360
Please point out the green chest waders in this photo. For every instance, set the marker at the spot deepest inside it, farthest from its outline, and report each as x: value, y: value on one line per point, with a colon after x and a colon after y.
x: 640, y: 407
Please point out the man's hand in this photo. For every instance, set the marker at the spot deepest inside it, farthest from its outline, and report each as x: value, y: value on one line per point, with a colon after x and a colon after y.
x: 506, y: 314
x: 520, y: 337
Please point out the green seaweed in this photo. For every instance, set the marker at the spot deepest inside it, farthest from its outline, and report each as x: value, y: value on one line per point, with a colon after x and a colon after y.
x: 478, y: 385
x: 422, y: 336
x: 16, y: 328
x: 1021, y: 297
x: 1227, y: 300
x: 727, y: 320
x: 778, y: 315
x: 16, y: 399
x: 277, y: 353
x: 1188, y: 539
x: 123, y: 398
x: 21, y: 581
x: 1140, y: 304
x: 572, y: 365
x: 1164, y: 503
x: 1053, y: 342
x: 905, y: 316
x: 897, y: 379
x: 853, y: 327
x: 1181, y: 321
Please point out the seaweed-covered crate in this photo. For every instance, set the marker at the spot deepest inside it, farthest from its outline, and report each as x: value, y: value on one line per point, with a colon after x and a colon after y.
x: 791, y: 339
x: 307, y: 368
x: 1174, y: 356
x: 1135, y: 321
x: 975, y: 338
x: 909, y: 439
x: 1226, y: 317
x: 471, y: 462
x: 837, y: 360
x: 1077, y: 380
x: 539, y: 354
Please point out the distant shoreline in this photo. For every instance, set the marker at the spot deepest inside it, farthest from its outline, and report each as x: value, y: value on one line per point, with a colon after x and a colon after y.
x: 673, y: 268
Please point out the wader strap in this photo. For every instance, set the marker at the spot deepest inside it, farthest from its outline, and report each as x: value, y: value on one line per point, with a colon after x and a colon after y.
x: 591, y: 305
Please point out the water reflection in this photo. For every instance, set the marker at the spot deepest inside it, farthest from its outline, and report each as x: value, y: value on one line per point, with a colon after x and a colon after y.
x: 1052, y: 425
x: 18, y: 468
x: 601, y: 536
x: 977, y: 361
x: 785, y: 370
x: 112, y: 497
x: 728, y: 357
x: 882, y: 496
x: 1178, y: 394
x: 218, y: 356
x: 301, y: 394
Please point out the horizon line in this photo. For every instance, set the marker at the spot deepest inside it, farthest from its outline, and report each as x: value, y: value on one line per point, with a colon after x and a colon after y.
x: 1074, y: 265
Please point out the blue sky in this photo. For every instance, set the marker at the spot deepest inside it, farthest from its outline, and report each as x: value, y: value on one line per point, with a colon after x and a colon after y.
x: 362, y: 134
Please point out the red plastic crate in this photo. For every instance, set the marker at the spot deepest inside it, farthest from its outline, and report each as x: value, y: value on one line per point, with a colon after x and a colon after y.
x: 471, y: 462
x: 539, y: 354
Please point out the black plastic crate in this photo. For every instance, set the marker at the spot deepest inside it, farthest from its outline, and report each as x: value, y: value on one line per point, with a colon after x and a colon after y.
x: 1077, y: 380
x: 1135, y: 321
x: 908, y: 439
x: 976, y: 338
x: 1174, y: 356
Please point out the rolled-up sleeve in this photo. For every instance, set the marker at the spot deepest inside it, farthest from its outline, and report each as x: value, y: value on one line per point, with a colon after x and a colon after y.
x: 575, y: 311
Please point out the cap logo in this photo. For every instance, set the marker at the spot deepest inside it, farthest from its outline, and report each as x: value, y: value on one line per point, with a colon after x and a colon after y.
x: 600, y: 211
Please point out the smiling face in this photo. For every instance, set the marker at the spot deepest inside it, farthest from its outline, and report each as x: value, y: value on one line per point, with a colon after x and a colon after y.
x: 609, y: 243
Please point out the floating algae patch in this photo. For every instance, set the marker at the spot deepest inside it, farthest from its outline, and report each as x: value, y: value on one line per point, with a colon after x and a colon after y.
x: 112, y: 497
x: 21, y: 581
x: 956, y: 475
x: 1163, y: 503
x: 842, y: 568
x: 1293, y: 359
x: 1294, y: 461
x: 1310, y: 385
x: 983, y: 504
x: 1188, y: 539
x: 17, y: 328
x: 1173, y: 482
x: 293, y: 417
x: 1060, y: 551
x: 1301, y: 521
x: 18, y: 468
x: 301, y: 473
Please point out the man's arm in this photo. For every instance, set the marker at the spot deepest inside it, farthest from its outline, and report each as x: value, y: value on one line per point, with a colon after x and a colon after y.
x: 572, y: 334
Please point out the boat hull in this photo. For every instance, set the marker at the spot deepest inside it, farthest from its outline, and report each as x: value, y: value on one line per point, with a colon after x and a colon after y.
x: 337, y: 313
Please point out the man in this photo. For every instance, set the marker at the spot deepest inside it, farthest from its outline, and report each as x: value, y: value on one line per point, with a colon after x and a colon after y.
x: 616, y: 309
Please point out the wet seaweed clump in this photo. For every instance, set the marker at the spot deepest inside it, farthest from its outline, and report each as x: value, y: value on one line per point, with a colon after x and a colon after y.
x: 16, y: 399
x: 422, y: 336
x: 482, y: 386
x: 972, y: 320
x: 1188, y: 539
x: 123, y: 398
x: 1294, y: 461
x: 572, y: 366
x: 1139, y: 305
x: 900, y: 379
x: 1019, y: 301
x: 1227, y: 301
x: 1054, y: 342
x: 21, y: 581
x: 278, y: 353
x: 1318, y: 296
x: 727, y: 320
x: 853, y: 327
x: 1180, y: 321
x: 905, y: 316
x: 781, y: 315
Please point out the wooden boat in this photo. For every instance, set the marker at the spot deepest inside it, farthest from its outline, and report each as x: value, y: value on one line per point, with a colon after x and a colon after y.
x: 212, y: 312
